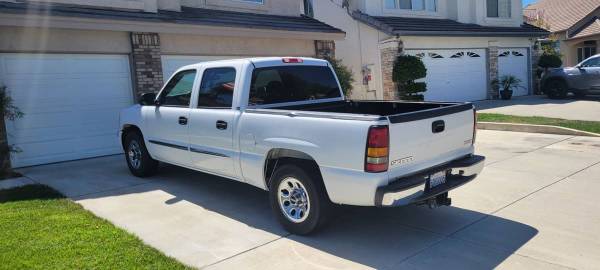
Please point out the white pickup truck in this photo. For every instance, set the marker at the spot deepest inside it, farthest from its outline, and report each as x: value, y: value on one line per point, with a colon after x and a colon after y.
x: 284, y: 125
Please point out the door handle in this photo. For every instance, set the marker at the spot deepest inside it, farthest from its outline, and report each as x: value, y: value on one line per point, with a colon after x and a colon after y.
x: 222, y: 125
x: 183, y: 120
x: 438, y: 126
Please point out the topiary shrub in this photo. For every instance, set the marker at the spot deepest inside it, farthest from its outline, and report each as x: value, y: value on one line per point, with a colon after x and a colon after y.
x: 407, y: 69
x: 7, y: 112
x: 550, y: 61
x: 343, y: 73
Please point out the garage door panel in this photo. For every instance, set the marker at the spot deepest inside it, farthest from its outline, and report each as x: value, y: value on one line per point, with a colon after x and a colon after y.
x: 459, y: 78
x: 71, y: 110
x: 514, y: 61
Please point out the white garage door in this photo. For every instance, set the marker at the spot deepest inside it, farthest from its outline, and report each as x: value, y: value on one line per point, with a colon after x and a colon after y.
x: 171, y: 63
x: 513, y: 61
x: 454, y: 75
x: 71, y: 104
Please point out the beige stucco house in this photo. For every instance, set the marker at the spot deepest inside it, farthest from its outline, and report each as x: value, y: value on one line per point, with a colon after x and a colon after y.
x: 574, y: 23
x: 464, y: 44
x: 72, y: 65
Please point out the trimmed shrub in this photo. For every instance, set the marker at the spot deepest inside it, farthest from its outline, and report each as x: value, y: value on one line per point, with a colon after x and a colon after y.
x: 407, y: 69
x: 550, y: 61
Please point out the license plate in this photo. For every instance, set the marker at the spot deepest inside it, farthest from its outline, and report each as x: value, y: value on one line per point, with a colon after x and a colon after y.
x: 437, y: 179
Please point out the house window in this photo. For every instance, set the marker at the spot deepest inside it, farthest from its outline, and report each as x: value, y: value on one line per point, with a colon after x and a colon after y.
x: 417, y: 5
x: 254, y: 1
x: 588, y: 50
x: 308, y: 8
x: 499, y: 8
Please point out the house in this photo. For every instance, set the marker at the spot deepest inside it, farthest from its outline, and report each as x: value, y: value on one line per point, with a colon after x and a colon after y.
x: 464, y: 44
x: 575, y: 24
x: 72, y: 65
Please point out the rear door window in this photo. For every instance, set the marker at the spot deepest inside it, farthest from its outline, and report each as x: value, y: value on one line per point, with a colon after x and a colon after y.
x: 292, y: 83
x: 216, y: 90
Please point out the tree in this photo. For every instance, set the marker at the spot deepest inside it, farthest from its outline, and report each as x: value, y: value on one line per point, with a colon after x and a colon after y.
x: 407, y: 69
x: 7, y: 112
x: 343, y: 73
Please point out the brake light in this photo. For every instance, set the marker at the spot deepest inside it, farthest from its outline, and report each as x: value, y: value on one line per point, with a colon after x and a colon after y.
x: 474, y: 126
x: 377, y: 154
x: 292, y: 60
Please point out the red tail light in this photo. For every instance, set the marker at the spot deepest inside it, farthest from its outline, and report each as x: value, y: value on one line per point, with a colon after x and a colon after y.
x: 474, y: 126
x: 292, y: 60
x: 377, y: 154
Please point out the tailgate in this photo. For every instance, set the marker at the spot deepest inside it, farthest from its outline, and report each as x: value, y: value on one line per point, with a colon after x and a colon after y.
x: 417, y: 141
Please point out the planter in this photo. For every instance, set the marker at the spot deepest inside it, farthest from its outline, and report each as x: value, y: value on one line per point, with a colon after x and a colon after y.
x: 506, y: 94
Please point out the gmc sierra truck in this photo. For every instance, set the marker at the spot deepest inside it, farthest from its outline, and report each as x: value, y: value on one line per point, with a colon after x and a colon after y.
x: 284, y: 125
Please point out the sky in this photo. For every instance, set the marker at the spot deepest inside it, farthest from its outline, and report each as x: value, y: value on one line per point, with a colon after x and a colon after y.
x: 527, y: 2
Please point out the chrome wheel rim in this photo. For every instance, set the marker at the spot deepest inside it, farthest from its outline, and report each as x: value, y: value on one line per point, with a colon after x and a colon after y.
x: 293, y: 200
x: 135, y: 154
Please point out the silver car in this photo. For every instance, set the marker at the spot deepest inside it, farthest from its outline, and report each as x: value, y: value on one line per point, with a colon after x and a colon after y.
x: 581, y: 80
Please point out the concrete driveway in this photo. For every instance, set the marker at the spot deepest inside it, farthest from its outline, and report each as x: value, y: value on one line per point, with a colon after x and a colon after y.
x: 534, y: 207
x: 587, y: 109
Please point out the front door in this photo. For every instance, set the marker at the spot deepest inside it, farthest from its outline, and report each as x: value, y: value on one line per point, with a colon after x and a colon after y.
x: 590, y: 71
x: 211, y: 123
x: 166, y: 125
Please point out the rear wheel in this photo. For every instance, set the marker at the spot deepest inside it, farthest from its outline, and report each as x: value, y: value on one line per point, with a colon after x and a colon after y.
x: 556, y: 89
x: 298, y: 199
x: 139, y: 161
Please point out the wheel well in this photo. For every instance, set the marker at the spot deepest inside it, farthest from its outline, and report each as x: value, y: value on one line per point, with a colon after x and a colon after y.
x: 555, y: 79
x: 277, y: 157
x: 126, y: 129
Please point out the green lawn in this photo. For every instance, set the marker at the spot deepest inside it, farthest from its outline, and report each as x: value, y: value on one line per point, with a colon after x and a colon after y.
x: 589, y: 126
x: 40, y: 229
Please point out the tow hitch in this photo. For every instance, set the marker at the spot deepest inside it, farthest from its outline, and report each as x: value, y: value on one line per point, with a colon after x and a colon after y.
x: 437, y: 201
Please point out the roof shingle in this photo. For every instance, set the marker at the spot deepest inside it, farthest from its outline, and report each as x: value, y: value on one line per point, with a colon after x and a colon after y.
x: 560, y: 15
x: 188, y: 15
x: 442, y: 27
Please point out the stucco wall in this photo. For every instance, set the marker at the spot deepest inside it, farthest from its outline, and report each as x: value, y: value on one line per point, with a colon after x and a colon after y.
x: 19, y: 39
x: 278, y: 7
x: 211, y: 45
x: 463, y: 42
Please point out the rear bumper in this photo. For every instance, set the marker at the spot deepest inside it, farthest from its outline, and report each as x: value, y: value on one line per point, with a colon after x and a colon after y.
x: 414, y: 189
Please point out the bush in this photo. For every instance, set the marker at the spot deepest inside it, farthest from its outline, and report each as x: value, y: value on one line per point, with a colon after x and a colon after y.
x: 407, y: 69
x: 550, y: 61
x: 7, y: 112
x: 344, y: 75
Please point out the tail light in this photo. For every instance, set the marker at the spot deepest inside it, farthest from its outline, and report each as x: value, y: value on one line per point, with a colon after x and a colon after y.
x: 474, y: 126
x: 377, y: 154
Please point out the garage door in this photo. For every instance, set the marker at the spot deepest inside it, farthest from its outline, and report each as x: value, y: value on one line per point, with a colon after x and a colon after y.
x: 71, y: 104
x: 170, y: 63
x: 454, y: 75
x: 513, y: 61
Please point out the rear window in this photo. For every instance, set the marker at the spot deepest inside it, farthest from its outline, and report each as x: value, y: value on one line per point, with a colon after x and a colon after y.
x: 292, y: 83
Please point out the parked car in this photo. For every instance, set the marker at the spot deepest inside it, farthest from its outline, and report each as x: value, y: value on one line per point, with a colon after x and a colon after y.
x: 581, y: 80
x: 284, y: 125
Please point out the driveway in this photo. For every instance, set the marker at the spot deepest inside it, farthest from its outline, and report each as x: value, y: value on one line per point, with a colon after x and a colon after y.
x: 573, y: 109
x: 534, y: 207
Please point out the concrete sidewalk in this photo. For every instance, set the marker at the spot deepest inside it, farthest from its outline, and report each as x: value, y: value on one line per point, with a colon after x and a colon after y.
x: 587, y: 109
x: 532, y: 208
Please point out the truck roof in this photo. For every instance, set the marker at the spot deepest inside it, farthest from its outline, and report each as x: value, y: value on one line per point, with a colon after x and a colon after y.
x: 263, y: 62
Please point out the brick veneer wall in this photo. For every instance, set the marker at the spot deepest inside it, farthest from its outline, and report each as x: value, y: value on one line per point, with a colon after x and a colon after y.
x: 324, y: 49
x: 389, y: 51
x: 493, y: 93
x: 147, y: 63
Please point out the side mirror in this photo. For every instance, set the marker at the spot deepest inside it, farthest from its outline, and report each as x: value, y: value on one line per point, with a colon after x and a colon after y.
x: 148, y: 99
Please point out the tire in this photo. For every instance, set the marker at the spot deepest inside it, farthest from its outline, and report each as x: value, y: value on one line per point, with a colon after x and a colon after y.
x: 579, y: 94
x: 309, y: 210
x: 138, y: 159
x: 556, y: 89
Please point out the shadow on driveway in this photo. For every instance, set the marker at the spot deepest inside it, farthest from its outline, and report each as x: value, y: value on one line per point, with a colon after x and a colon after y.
x: 377, y: 238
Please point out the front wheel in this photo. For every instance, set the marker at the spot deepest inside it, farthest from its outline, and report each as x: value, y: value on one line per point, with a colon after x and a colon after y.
x: 557, y: 89
x: 139, y: 161
x: 298, y: 199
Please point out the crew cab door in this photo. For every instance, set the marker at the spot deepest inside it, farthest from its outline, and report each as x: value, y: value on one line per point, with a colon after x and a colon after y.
x: 166, y: 124
x: 212, y: 123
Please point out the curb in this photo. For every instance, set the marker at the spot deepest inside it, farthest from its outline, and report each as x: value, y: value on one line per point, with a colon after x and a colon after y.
x: 534, y: 129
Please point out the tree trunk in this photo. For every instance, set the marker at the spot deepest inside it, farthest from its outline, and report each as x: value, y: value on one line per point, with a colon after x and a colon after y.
x: 5, y: 166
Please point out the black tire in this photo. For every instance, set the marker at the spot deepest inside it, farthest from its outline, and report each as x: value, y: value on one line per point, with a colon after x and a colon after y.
x: 579, y: 94
x: 318, y: 201
x: 147, y: 166
x: 556, y: 89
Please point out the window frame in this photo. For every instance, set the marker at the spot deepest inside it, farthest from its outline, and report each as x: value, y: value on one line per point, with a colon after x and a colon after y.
x: 510, y: 12
x: 197, y: 105
x: 425, y: 9
x: 160, y: 95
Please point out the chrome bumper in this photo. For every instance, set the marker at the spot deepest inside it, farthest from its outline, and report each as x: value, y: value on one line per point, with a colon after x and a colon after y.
x: 415, y: 188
